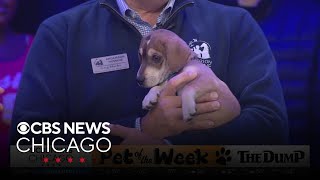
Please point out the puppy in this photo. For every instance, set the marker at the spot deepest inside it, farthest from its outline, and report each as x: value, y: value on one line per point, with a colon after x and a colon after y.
x: 163, y: 54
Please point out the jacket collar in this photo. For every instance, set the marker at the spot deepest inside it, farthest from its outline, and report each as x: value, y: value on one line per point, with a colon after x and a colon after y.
x: 113, y: 4
x: 123, y: 6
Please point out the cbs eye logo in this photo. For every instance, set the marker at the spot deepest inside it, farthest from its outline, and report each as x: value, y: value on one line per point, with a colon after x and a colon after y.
x: 23, y: 128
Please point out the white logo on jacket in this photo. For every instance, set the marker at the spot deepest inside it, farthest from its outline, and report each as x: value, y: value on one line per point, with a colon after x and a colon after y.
x: 202, y: 49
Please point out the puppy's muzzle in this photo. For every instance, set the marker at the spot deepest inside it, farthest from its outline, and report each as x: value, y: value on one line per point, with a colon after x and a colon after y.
x: 140, y: 80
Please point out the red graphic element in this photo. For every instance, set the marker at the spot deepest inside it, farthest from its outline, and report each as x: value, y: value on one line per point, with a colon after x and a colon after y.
x: 45, y: 160
x: 82, y: 160
x: 70, y: 160
x: 58, y: 160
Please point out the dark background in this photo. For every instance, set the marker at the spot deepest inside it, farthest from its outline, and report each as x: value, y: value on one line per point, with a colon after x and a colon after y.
x: 31, y: 13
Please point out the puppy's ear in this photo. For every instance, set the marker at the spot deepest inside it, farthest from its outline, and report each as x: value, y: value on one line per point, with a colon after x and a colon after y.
x: 143, y: 46
x: 177, y: 52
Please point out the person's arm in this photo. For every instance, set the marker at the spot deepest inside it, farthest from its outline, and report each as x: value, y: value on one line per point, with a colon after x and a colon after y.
x: 253, y: 78
x: 43, y: 94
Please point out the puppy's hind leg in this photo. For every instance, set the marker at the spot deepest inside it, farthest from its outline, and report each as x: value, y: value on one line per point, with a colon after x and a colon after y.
x: 188, y: 96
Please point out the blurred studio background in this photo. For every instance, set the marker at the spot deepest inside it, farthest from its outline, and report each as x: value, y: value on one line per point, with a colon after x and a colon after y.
x: 292, y: 28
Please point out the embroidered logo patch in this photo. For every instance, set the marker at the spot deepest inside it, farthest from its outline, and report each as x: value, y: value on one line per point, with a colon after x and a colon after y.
x: 202, y: 49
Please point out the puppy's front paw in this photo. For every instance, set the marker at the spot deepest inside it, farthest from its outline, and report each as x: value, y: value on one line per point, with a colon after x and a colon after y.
x: 150, y: 100
x: 188, y: 110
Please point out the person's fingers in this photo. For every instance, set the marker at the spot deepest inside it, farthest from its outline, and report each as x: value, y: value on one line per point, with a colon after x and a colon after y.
x: 204, y: 117
x: 171, y: 101
x: 198, y: 125
x: 1, y: 90
x: 177, y: 82
x: 171, y: 115
x: 202, y: 121
x: 207, y: 107
x: 118, y: 130
x: 217, y: 119
x: 213, y: 96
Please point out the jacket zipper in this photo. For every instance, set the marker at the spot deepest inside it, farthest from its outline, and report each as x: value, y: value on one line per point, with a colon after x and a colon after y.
x: 134, y: 28
x: 176, y: 12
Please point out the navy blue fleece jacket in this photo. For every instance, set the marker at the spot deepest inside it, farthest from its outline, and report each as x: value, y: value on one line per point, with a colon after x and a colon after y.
x: 58, y: 82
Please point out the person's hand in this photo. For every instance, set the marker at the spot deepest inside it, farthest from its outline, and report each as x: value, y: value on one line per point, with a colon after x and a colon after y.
x: 229, y: 109
x: 133, y: 136
x: 1, y: 105
x: 165, y: 119
x: 214, y: 109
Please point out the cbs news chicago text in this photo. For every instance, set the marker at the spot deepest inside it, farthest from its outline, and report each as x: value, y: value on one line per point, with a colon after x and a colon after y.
x: 32, y: 150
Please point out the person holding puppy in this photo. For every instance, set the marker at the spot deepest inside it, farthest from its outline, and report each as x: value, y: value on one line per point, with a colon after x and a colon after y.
x: 68, y: 76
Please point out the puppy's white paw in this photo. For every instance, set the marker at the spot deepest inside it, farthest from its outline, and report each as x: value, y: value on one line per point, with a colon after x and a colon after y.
x: 188, y: 109
x: 150, y: 100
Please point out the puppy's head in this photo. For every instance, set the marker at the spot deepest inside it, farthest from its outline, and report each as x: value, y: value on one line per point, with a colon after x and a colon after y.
x: 161, y: 54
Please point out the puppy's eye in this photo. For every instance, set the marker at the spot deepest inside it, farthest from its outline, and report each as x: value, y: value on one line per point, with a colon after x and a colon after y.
x: 156, y: 58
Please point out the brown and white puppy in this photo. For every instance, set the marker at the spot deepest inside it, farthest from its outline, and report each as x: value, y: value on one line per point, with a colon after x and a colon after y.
x: 162, y: 54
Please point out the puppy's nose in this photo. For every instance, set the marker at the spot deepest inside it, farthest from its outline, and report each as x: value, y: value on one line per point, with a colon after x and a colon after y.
x: 140, y: 80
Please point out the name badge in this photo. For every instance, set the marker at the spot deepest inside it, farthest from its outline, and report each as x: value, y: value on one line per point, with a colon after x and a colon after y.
x: 110, y: 63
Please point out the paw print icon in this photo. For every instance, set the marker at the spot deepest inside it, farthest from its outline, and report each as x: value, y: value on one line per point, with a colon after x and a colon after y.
x: 223, y: 156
